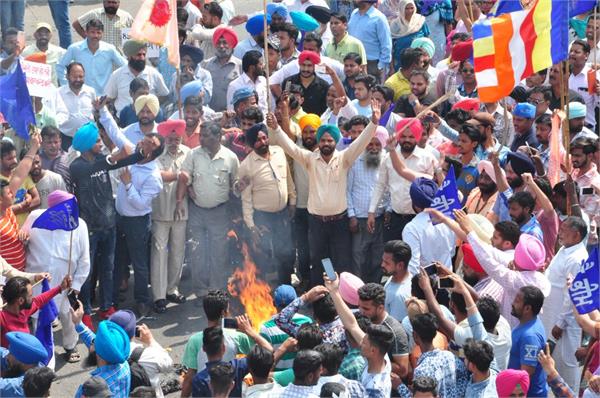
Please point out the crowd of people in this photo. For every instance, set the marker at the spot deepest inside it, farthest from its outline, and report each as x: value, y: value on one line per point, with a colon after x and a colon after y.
x: 319, y: 144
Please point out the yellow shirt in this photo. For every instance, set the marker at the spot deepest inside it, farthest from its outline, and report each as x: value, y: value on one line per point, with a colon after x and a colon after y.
x: 399, y: 84
x: 26, y: 186
x: 271, y: 185
x: 326, y: 181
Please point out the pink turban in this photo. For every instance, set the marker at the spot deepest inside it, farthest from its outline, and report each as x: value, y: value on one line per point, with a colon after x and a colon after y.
x: 529, y: 253
x: 349, y: 285
x: 415, y: 128
x: 57, y: 197
x: 382, y: 135
x: 229, y: 34
x: 488, y: 167
x: 309, y: 55
x: 509, y: 379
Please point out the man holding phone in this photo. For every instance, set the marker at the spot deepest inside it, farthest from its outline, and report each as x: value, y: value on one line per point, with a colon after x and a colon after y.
x: 315, y: 88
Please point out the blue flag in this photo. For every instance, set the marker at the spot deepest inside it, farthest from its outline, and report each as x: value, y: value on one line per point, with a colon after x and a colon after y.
x: 64, y: 215
x: 578, y: 7
x: 505, y: 6
x: 46, y: 315
x: 585, y: 289
x: 385, y: 118
x: 446, y: 198
x: 15, y: 102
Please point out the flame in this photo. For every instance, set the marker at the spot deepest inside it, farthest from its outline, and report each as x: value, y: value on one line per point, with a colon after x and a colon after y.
x: 253, y: 293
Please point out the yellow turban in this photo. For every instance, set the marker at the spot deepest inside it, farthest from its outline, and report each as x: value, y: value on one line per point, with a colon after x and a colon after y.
x: 310, y: 119
x: 149, y: 100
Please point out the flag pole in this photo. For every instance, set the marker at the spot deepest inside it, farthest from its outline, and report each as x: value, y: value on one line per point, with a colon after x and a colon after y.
x: 564, y: 104
x: 178, y: 85
x: 70, y: 252
x: 506, y: 127
x: 266, y: 57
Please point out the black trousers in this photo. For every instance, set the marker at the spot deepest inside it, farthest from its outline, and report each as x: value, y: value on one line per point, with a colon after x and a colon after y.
x: 300, y: 233
x: 329, y: 239
x: 397, y: 224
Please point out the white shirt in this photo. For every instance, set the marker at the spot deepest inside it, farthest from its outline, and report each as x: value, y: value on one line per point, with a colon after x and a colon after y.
x: 299, y: 5
x: 292, y: 68
x: 117, y: 86
x: 267, y: 390
x: 155, y: 360
x: 80, y: 106
x: 228, y: 12
x: 49, y: 183
x: 194, y: 15
x: 419, y: 234
x: 419, y: 161
x: 260, y: 86
x: 501, y: 341
x: 346, y: 111
x: 378, y: 381
x: 53, y: 103
x: 48, y: 251
x: 579, y: 84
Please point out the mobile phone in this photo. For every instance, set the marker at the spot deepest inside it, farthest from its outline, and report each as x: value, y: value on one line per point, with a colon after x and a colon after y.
x: 328, y: 267
x: 72, y: 296
x: 587, y: 191
x: 431, y: 269
x: 445, y: 283
x: 320, y: 69
x: 230, y: 323
x: 137, y: 331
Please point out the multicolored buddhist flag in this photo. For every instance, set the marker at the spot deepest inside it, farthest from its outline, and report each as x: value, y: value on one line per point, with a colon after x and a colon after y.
x: 513, y: 46
x: 156, y: 23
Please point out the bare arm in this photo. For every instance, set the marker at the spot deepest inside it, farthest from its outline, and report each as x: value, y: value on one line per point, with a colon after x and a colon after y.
x: 20, y: 173
x: 346, y: 316
x: 540, y: 197
x: 453, y: 225
x: 79, y: 29
x: 245, y: 327
x: 446, y: 326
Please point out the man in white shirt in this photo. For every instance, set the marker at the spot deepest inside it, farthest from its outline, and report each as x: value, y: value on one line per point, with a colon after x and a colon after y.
x: 203, y: 31
x: 117, y: 87
x: 152, y: 357
x: 557, y: 316
x: 253, y: 65
x: 79, y: 98
x: 53, y: 53
x: 194, y: 14
x: 65, y: 258
x: 578, y: 80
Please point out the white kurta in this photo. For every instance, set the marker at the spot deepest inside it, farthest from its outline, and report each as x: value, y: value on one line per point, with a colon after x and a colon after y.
x: 558, y: 311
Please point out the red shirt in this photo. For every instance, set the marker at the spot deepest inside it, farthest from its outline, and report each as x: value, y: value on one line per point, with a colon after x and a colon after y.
x: 10, y: 322
x: 11, y: 248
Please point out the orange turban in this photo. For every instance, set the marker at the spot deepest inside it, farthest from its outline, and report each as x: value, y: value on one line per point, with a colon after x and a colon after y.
x: 310, y: 119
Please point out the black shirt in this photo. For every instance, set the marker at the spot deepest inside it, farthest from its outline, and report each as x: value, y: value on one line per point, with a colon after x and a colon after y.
x: 315, y: 95
x: 520, y: 140
x: 573, y: 96
x: 403, y: 106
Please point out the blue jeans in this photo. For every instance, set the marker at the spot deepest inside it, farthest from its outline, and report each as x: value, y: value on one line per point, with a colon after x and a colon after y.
x: 103, y: 244
x: 137, y: 238
x: 60, y: 15
x: 12, y: 14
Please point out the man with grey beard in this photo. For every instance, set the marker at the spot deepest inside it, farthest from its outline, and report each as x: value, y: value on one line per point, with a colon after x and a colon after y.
x: 367, y: 247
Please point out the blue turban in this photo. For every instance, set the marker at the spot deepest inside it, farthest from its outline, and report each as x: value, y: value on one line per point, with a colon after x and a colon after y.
x: 112, y: 343
x: 85, y: 137
x: 332, y: 129
x: 256, y: 24
x: 195, y: 87
x: 422, y: 192
x: 126, y: 319
x: 26, y: 348
x: 304, y: 21
x: 520, y: 163
x: 196, y: 54
x: 251, y: 134
x: 524, y: 110
x: 277, y: 8
x: 576, y: 109
x: 241, y: 94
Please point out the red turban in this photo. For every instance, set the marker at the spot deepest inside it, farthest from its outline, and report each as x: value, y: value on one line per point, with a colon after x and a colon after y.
x: 415, y: 128
x: 470, y: 260
x: 227, y: 33
x: 171, y: 126
x: 309, y: 55
x: 462, y: 51
x: 468, y: 104
x: 507, y: 381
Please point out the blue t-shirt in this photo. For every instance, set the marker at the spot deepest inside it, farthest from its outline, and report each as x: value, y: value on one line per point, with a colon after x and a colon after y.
x: 527, y: 341
x: 9, y: 387
x: 201, y: 382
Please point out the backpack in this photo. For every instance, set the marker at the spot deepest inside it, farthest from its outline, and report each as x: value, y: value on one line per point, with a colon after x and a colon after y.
x: 139, y: 377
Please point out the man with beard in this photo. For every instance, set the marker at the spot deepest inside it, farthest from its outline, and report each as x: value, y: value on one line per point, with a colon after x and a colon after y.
x: 46, y: 181
x: 42, y: 36
x: 557, y: 88
x: 585, y: 174
x: 52, y: 156
x: 420, y: 96
x: 523, y: 117
x: 342, y: 43
x: 577, y: 127
x: 415, y: 158
x: 78, y: 98
x: 205, y: 28
x: 98, y: 57
x: 520, y: 208
x: 483, y: 197
x: 578, y: 79
x: 24, y: 352
x: 287, y: 34
x: 268, y: 201
x: 19, y: 304
x: 223, y: 67
x: 362, y: 91
x: 394, y: 264
x: 117, y: 88
x: 315, y: 88
x: 255, y: 28
x: 352, y: 68
x: 367, y: 246
x: 528, y: 338
x: 113, y: 18
x: 139, y: 185
x: 329, y: 233
x: 253, y: 76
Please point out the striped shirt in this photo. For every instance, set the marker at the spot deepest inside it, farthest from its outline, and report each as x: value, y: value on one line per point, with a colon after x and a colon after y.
x: 276, y: 337
x: 11, y: 248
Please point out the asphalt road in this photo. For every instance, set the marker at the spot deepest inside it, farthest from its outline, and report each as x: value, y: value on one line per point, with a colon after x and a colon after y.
x: 173, y: 328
